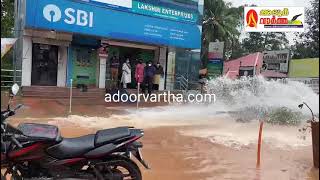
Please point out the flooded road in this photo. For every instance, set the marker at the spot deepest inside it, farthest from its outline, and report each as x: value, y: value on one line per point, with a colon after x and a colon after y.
x: 201, y: 150
x: 198, y: 142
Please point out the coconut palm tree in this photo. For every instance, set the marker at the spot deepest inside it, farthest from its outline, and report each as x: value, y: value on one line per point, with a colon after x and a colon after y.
x: 221, y: 22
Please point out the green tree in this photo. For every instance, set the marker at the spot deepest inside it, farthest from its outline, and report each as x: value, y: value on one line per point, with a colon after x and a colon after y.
x: 220, y: 22
x: 264, y: 41
x: 7, y: 24
x: 7, y: 18
x: 307, y: 43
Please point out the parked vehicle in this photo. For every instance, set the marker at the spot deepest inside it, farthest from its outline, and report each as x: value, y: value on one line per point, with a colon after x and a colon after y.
x: 38, y: 152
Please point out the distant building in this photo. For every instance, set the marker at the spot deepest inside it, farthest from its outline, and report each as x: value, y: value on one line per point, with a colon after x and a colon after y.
x: 306, y: 71
x: 276, y: 61
x: 249, y: 65
x: 269, y: 64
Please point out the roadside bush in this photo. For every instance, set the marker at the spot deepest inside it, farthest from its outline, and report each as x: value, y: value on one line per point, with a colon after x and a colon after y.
x: 284, y: 116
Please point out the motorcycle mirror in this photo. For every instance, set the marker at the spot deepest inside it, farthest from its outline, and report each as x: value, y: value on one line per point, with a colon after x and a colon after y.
x: 300, y: 106
x: 14, y: 89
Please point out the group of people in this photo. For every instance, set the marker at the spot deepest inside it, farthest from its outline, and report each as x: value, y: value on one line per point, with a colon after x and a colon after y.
x: 146, y: 75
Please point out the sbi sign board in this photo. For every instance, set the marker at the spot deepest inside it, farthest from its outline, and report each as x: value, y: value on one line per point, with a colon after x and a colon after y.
x: 84, y: 18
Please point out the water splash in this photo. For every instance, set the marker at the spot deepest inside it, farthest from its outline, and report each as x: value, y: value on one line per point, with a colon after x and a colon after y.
x: 260, y: 95
x: 217, y: 122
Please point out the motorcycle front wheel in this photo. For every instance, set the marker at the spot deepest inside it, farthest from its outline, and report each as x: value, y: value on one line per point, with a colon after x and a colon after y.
x: 119, y: 168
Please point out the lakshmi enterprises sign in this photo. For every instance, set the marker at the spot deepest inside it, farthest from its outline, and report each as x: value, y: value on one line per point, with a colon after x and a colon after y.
x: 276, y: 60
x: 164, y: 10
x: 168, y: 13
x: 274, y: 19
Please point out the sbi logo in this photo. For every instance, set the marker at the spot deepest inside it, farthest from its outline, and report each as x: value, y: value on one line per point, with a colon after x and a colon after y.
x: 78, y: 17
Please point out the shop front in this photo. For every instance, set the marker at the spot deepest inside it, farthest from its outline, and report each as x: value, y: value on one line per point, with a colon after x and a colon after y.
x: 61, y: 39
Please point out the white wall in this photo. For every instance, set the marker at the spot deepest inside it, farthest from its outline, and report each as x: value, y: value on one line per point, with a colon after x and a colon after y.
x: 62, y: 66
x: 26, y: 61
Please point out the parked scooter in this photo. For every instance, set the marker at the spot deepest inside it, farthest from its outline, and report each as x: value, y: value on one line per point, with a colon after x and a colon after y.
x: 38, y: 152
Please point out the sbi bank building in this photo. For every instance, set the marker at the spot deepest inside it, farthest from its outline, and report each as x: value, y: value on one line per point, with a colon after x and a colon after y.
x: 60, y: 40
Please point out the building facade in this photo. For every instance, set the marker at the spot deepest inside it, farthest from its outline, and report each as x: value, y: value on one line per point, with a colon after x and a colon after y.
x: 306, y: 71
x: 249, y: 65
x: 60, y: 40
x: 269, y: 64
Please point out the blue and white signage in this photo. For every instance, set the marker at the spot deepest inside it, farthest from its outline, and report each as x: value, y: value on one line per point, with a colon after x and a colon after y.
x: 119, y: 3
x: 83, y: 18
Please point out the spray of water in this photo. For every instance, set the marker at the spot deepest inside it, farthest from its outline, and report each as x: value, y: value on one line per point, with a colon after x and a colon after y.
x: 244, y: 95
x: 258, y: 96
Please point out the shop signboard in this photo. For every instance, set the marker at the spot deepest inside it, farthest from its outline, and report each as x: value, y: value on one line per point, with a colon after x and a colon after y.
x: 103, y: 50
x: 304, y: 68
x: 163, y: 12
x: 216, y: 50
x: 246, y: 71
x: 276, y: 60
x: 215, y: 68
x: 115, y: 3
x: 87, y: 19
x: 179, y: 11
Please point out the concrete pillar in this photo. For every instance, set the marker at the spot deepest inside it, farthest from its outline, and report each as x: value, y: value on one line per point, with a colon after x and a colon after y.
x: 170, y: 69
x: 156, y: 55
x: 69, y: 65
x: 102, y: 72
x: 26, y: 61
x: 62, y: 66
x: 162, y: 60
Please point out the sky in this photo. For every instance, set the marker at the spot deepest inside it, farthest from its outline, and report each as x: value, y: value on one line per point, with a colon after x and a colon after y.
x: 286, y: 3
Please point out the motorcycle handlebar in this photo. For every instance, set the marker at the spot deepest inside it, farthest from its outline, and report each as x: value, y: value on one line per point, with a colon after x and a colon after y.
x: 18, y: 107
x: 15, y: 141
x: 9, y: 112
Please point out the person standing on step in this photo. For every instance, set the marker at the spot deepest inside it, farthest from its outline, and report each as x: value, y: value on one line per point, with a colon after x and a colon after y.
x: 139, y: 72
x: 126, y: 73
x: 149, y: 72
x: 158, y: 74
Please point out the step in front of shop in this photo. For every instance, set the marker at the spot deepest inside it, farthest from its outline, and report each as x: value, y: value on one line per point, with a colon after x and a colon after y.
x: 61, y: 92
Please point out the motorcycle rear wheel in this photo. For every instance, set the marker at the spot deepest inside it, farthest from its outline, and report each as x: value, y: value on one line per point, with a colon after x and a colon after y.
x: 119, y: 168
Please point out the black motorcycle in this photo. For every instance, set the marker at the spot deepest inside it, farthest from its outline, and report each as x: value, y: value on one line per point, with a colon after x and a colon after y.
x: 39, y: 152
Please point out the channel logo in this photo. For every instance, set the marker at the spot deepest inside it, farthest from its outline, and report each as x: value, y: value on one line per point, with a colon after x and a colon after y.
x: 52, y: 13
x: 273, y: 19
x: 252, y: 18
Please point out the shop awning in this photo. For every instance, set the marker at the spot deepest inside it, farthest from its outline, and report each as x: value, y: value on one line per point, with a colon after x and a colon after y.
x: 6, y: 45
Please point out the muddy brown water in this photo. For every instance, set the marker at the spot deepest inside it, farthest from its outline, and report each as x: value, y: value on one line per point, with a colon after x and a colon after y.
x: 173, y: 156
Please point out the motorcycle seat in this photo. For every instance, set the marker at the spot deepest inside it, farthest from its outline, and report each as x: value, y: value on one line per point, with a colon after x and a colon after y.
x: 40, y: 132
x: 72, y: 147
x: 108, y: 135
x: 76, y: 147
